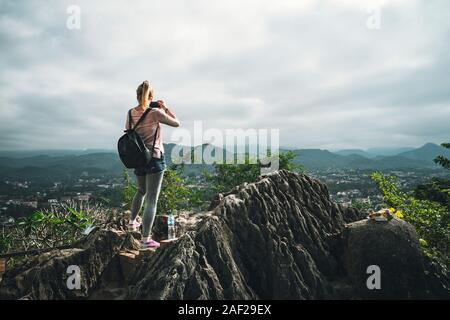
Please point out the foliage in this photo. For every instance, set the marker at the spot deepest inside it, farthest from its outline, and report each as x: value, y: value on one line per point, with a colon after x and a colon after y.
x: 174, y: 195
x: 361, y: 206
x: 227, y: 176
x: 128, y: 190
x: 443, y: 161
x: 287, y: 162
x: 397, y: 213
x: 52, y: 227
x: 437, y: 189
x: 431, y: 219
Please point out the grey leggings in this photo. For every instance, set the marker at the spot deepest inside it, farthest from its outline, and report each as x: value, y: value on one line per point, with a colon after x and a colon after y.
x: 149, y: 185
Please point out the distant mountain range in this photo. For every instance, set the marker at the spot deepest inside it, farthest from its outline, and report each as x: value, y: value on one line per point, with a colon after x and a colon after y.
x: 63, y: 163
x: 60, y: 166
x: 51, y: 152
x: 402, y: 158
x: 373, y: 152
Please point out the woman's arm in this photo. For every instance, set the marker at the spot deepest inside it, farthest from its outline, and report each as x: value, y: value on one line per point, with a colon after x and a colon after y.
x: 166, y: 116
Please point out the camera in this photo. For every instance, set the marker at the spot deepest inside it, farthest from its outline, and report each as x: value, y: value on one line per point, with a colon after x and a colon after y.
x: 155, y: 104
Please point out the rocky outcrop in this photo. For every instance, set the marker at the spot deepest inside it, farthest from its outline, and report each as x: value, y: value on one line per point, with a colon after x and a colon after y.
x: 268, y: 240
x: 45, y: 276
x: 393, y: 247
x: 278, y: 238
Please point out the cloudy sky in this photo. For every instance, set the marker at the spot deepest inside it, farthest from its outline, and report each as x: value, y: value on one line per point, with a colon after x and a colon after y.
x: 319, y: 71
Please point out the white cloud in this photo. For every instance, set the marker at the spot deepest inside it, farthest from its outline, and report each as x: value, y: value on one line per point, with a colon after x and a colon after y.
x: 310, y: 68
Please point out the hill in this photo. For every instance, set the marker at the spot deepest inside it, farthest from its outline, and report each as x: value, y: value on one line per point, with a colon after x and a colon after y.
x: 420, y: 158
x: 349, y: 152
x: 427, y: 153
x: 387, y: 152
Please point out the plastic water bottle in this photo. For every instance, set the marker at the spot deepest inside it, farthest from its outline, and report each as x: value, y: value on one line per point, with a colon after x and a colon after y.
x: 170, y: 227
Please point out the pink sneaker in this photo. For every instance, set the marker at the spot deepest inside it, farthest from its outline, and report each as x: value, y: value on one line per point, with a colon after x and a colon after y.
x: 152, y: 244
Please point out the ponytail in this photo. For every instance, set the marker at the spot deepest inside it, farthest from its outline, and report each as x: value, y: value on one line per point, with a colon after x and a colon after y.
x: 144, y: 91
x: 144, y: 95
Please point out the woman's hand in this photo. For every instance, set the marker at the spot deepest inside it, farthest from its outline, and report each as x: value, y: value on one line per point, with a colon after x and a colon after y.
x: 162, y: 105
x: 169, y: 118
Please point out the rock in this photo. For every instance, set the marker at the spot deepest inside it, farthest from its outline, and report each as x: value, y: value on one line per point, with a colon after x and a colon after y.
x: 2, y: 267
x: 261, y: 241
x: 167, y: 242
x: 128, y: 263
x: 119, y: 274
x: 45, y: 276
x: 109, y: 294
x: 215, y: 201
x: 391, y: 245
x: 183, y: 223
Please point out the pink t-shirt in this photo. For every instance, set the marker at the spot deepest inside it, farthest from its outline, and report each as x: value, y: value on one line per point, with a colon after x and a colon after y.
x: 147, y: 127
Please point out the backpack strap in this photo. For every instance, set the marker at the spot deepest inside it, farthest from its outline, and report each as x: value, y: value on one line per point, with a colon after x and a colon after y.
x: 140, y: 119
x: 130, y: 120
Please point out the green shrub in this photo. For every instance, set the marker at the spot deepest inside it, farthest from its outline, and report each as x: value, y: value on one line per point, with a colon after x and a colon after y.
x: 174, y: 196
x: 436, y: 189
x: 431, y: 219
x: 361, y: 206
x: 128, y: 190
x: 52, y: 227
x: 227, y: 176
x: 443, y: 161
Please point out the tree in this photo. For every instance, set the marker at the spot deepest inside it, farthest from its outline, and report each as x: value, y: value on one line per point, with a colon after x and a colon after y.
x: 227, y: 176
x: 443, y: 161
x: 174, y: 194
x: 436, y: 189
x: 431, y: 219
x: 287, y: 162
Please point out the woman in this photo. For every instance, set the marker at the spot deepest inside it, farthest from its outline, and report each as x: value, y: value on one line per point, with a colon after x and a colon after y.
x: 149, y: 178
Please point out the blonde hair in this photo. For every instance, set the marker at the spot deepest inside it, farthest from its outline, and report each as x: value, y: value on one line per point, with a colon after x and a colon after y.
x: 144, y: 92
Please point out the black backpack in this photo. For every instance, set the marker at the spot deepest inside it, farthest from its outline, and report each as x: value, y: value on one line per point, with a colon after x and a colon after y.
x: 132, y: 150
